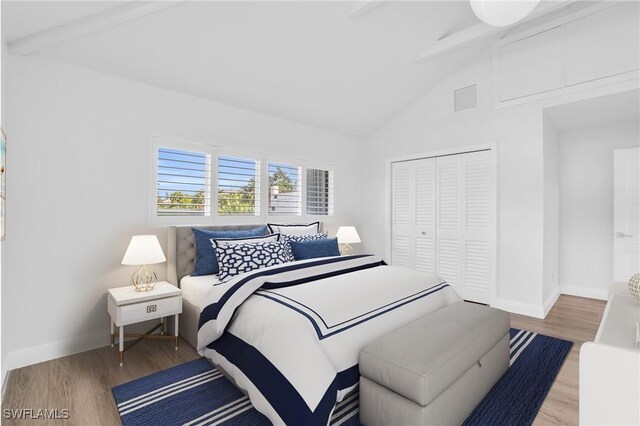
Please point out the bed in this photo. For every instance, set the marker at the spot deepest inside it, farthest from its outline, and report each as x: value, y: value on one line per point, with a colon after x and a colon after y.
x: 289, y: 335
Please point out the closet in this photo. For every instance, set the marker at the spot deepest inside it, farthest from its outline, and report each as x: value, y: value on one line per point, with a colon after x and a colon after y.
x: 443, y: 219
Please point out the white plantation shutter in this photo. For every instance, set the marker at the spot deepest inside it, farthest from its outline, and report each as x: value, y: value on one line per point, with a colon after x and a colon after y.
x: 285, y: 192
x: 238, y: 186
x: 442, y: 220
x: 319, y: 192
x: 200, y: 184
x: 183, y: 182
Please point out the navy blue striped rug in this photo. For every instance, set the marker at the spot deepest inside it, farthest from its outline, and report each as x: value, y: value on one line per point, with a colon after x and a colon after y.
x: 195, y: 393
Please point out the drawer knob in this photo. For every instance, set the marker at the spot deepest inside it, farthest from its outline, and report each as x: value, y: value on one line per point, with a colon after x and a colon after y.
x: 152, y: 308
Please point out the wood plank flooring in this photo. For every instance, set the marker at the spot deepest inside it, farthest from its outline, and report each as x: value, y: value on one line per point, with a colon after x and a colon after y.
x: 82, y: 383
x: 571, y: 318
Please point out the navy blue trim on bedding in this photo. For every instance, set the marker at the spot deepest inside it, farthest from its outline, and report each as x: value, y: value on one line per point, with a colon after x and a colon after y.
x: 294, y: 225
x: 349, y: 377
x: 274, y: 387
x: 211, y: 311
x: 316, y: 326
x: 282, y: 284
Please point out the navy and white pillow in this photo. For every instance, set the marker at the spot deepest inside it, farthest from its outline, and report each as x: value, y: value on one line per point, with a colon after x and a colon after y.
x: 206, y: 261
x: 300, y: 238
x: 243, y: 240
x: 312, y: 228
x: 236, y: 259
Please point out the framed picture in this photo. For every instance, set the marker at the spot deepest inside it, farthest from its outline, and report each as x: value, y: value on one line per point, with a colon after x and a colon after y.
x: 3, y: 185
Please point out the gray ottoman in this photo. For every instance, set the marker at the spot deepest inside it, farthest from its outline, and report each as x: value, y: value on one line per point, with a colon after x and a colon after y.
x: 435, y: 370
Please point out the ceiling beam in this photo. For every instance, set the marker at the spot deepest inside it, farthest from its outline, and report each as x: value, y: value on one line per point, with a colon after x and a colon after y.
x: 363, y: 7
x: 482, y: 30
x: 85, y: 26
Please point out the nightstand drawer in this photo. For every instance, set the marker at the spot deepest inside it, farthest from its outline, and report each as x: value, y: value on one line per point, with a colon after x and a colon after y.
x: 152, y: 309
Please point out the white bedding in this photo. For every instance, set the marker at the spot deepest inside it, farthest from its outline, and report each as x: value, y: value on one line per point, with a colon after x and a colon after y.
x: 290, y: 334
x: 196, y: 289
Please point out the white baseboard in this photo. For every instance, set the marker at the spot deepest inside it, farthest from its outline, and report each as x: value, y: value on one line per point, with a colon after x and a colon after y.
x: 48, y: 351
x: 551, y: 300
x: 528, y: 309
x: 591, y: 293
x: 41, y: 353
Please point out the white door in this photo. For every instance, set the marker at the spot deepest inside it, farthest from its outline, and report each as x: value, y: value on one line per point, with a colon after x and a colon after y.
x: 424, y: 224
x: 449, y: 207
x: 413, y: 214
x: 626, y: 214
x: 443, y: 220
x: 477, y: 226
x: 402, y: 212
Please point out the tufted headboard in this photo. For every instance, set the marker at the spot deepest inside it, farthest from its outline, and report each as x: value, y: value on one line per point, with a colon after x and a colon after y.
x: 181, y: 249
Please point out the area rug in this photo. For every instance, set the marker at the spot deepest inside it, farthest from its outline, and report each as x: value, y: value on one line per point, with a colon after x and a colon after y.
x: 195, y: 393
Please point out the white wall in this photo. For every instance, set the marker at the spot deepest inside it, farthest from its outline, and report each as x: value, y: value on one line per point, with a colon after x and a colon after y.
x: 80, y: 147
x: 3, y: 300
x: 430, y: 125
x: 586, y: 206
x: 551, y: 245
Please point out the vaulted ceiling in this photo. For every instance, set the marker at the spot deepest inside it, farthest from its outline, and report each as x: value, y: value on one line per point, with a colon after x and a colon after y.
x: 333, y: 65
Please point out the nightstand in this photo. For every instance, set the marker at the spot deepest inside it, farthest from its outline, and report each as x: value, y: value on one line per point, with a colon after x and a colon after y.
x: 127, y: 306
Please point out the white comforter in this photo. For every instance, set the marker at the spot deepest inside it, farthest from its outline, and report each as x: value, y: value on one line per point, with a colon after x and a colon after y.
x: 290, y: 335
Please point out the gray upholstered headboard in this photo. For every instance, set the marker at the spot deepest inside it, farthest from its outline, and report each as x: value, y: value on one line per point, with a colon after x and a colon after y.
x: 181, y: 249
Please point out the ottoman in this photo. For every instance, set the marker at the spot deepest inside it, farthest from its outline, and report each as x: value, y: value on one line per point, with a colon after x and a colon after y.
x: 435, y: 370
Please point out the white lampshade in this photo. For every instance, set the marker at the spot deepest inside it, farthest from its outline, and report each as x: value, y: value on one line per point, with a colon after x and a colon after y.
x: 143, y: 250
x: 501, y: 13
x: 348, y: 235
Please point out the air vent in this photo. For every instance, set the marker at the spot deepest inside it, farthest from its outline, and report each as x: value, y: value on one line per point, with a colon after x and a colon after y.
x: 465, y: 98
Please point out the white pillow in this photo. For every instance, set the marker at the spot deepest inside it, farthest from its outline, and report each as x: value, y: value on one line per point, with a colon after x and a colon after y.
x: 233, y: 241
x: 312, y: 228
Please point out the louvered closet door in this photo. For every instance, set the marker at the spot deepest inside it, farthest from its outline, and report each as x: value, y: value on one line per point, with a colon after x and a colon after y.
x: 424, y: 225
x: 449, y: 220
x: 402, y: 212
x: 477, y: 252
x: 442, y: 220
x: 414, y: 216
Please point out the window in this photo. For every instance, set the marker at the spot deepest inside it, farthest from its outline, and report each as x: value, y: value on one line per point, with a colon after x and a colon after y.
x: 319, y: 192
x: 284, y: 189
x: 183, y: 179
x: 238, y: 186
x: 200, y: 184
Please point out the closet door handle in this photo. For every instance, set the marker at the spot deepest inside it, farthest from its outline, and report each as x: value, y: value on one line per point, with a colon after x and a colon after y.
x: 623, y: 235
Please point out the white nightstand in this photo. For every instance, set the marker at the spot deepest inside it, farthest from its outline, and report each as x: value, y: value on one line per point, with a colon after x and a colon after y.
x: 127, y: 306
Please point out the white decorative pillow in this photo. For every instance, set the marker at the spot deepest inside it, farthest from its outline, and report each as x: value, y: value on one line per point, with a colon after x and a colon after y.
x: 244, y: 240
x: 236, y: 259
x: 312, y: 228
x: 301, y: 238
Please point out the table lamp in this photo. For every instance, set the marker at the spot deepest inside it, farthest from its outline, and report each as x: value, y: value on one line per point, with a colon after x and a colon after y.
x: 347, y: 235
x: 144, y: 250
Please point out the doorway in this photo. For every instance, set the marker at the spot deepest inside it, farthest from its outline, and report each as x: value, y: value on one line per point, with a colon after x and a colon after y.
x: 582, y: 213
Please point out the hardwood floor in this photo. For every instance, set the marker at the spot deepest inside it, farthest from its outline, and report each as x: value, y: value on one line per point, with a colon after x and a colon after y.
x: 82, y: 383
x: 571, y: 318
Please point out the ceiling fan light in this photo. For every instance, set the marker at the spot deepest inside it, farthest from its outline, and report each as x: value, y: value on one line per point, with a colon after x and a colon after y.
x: 502, y: 13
